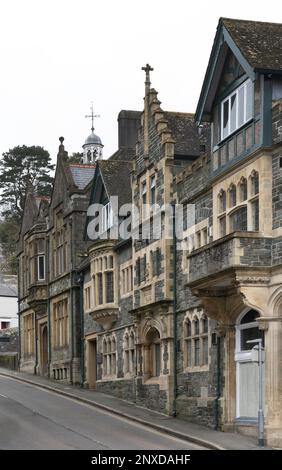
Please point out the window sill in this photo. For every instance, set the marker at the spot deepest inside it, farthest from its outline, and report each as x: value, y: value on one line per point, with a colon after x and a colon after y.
x: 152, y: 381
x: 204, y: 368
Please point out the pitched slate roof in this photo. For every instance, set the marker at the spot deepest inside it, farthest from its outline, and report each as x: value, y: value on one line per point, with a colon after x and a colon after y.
x: 185, y: 133
x: 259, y: 42
x: 8, y: 291
x: 124, y: 154
x: 82, y: 174
x: 116, y: 177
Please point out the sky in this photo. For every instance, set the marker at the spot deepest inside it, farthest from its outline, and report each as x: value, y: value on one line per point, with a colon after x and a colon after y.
x: 57, y: 56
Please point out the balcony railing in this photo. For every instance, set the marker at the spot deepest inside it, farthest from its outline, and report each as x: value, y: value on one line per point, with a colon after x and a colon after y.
x: 234, y: 250
x: 237, y: 145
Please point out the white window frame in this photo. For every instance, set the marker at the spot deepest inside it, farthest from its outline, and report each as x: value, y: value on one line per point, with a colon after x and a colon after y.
x: 228, y: 98
x: 106, y: 217
x: 44, y: 268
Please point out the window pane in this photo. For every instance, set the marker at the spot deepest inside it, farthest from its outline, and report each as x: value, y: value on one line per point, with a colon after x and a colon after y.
x: 205, y: 350
x: 249, y: 100
x: 249, y: 334
x: 109, y: 287
x: 41, y: 268
x: 197, y: 352
x: 241, y: 106
x: 225, y: 118
x: 222, y: 226
x: 238, y: 220
x: 100, y: 289
x: 233, y: 103
x: 255, y: 215
x: 189, y: 353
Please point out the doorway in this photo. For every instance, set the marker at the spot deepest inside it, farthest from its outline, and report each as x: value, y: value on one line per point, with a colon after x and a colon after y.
x: 91, y: 358
x: 246, y: 370
x: 44, y: 350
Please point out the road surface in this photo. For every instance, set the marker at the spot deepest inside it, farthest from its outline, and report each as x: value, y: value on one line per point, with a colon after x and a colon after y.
x: 33, y: 418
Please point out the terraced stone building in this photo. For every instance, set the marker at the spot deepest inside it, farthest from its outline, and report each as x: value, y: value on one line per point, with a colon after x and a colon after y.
x: 162, y: 320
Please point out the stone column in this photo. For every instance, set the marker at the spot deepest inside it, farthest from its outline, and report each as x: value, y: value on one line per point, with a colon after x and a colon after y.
x: 228, y: 393
x: 273, y: 380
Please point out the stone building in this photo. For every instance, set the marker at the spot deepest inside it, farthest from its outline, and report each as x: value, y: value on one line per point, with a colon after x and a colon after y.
x: 162, y: 320
x: 226, y: 280
x: 51, y: 246
x: 235, y: 269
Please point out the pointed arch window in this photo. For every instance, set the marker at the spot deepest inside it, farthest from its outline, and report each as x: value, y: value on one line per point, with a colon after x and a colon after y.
x: 196, y: 341
x: 243, y: 188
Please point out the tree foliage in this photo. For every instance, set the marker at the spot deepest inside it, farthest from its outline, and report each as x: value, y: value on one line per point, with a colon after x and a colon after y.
x: 20, y: 168
x: 9, y: 231
x: 76, y: 157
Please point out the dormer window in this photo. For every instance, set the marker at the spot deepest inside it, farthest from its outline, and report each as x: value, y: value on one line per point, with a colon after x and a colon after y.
x: 237, y: 109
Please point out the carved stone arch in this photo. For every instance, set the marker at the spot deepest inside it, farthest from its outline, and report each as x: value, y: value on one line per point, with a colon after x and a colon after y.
x: 275, y: 302
x: 149, y: 325
x: 243, y: 313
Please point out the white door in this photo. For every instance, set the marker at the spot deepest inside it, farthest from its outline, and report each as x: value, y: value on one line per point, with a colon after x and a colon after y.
x: 246, y: 370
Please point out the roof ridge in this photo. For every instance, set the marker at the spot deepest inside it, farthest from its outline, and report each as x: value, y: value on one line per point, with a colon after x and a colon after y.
x: 248, y: 21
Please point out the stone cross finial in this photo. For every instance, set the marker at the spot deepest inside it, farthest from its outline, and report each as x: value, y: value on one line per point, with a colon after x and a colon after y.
x: 92, y: 116
x: 147, y: 69
x: 61, y: 146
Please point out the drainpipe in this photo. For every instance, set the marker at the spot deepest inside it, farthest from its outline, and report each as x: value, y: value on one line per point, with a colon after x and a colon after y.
x: 174, y: 412
x: 47, y: 267
x: 82, y: 374
x: 71, y: 302
x: 36, y: 345
x: 218, y: 378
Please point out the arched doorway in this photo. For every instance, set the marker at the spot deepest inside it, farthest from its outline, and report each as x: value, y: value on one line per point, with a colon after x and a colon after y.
x: 246, y: 370
x: 152, y: 356
x: 44, y: 350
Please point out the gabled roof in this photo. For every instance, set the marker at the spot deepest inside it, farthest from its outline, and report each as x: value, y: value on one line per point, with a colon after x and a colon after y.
x: 259, y: 42
x: 185, y: 133
x: 256, y: 45
x: 82, y: 174
x: 116, y: 178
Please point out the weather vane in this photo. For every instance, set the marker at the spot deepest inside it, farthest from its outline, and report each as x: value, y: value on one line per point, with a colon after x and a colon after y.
x: 92, y: 116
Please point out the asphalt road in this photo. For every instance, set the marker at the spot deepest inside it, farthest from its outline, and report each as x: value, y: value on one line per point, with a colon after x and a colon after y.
x: 32, y: 418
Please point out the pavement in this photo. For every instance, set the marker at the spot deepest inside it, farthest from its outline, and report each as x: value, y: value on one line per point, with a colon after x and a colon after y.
x: 172, y: 427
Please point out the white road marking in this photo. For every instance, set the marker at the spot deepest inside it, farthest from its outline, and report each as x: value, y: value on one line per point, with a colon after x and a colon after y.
x: 4, y: 396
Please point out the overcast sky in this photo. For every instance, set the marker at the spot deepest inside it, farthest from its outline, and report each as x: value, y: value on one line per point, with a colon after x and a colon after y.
x: 58, y: 56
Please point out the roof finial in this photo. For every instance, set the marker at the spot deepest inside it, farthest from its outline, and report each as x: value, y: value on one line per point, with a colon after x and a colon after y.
x: 147, y: 69
x: 61, y: 146
x: 92, y: 116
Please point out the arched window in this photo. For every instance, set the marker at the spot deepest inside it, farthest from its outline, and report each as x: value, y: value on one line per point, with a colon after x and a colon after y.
x: 222, y: 201
x: 188, y: 343
x: 232, y: 195
x: 254, y: 183
x: 129, y: 352
x: 243, y: 187
x: 153, y: 353
x: 109, y: 356
x: 249, y: 330
x: 196, y: 341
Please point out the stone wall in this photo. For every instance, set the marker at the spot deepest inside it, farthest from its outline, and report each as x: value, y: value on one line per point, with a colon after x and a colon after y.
x: 9, y: 343
x: 277, y: 190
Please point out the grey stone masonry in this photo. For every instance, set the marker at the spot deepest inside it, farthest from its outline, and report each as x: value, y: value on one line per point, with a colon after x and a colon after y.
x: 220, y: 254
x: 277, y: 122
x: 277, y: 190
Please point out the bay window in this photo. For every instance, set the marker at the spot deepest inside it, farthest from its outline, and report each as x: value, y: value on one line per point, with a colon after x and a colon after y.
x: 236, y: 109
